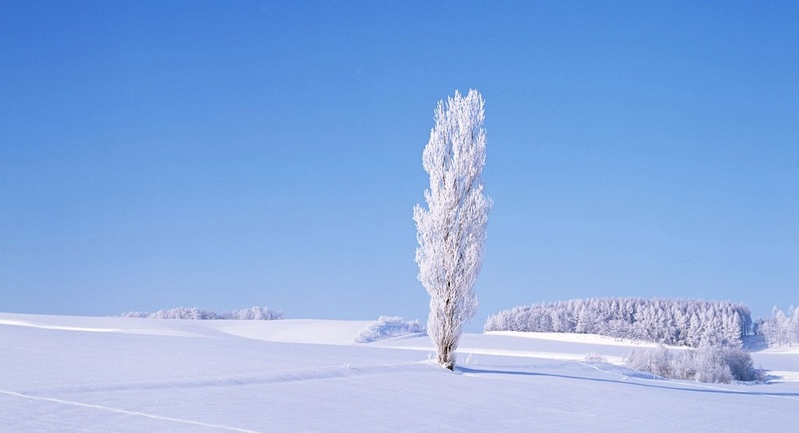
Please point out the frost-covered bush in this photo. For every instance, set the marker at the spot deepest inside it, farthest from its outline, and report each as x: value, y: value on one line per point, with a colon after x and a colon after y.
x: 253, y: 313
x: 184, y: 313
x: 709, y: 363
x: 135, y: 315
x: 741, y: 365
x: 388, y: 326
x: 657, y: 361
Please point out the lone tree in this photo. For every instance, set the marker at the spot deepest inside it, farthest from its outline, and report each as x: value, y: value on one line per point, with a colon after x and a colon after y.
x: 452, y: 231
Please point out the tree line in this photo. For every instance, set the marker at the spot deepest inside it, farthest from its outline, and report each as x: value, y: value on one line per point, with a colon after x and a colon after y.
x: 679, y: 322
x: 780, y: 329
x: 252, y: 313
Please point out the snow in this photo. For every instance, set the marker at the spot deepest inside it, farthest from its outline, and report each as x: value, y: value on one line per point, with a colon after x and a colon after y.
x: 90, y: 374
x: 577, y: 338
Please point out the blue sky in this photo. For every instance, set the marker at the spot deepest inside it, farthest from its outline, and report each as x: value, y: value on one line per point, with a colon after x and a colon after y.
x: 229, y: 154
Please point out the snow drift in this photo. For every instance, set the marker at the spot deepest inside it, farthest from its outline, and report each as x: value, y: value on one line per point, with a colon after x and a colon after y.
x: 87, y: 374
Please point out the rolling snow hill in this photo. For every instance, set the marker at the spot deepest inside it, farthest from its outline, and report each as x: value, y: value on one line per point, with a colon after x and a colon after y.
x: 89, y: 374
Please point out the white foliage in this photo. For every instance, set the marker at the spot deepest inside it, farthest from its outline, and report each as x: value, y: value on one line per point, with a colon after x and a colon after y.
x: 657, y: 361
x: 388, y: 326
x: 670, y: 321
x: 135, y: 315
x: 253, y: 313
x: 452, y: 230
x: 713, y: 363
x: 780, y: 329
x: 184, y: 313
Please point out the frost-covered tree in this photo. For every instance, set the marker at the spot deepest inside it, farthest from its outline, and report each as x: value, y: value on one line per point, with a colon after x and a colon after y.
x: 676, y: 321
x: 452, y: 230
x: 253, y: 313
x: 781, y: 329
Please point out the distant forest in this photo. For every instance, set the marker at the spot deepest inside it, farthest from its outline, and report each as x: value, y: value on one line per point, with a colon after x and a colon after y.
x: 678, y: 322
x: 780, y: 329
x: 252, y: 313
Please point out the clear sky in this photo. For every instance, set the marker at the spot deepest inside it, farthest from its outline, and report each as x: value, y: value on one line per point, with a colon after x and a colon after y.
x: 225, y: 154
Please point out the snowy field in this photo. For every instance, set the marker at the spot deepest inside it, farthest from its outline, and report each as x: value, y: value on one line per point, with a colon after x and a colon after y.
x: 84, y: 374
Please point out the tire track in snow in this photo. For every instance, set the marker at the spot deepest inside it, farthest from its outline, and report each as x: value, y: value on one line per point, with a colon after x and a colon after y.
x: 129, y: 412
x: 284, y: 376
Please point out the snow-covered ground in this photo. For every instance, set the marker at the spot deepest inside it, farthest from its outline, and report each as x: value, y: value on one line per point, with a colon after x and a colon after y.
x: 84, y: 374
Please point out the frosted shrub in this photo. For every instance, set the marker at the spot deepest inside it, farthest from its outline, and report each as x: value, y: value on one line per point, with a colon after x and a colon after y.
x: 253, y: 313
x: 741, y: 365
x: 184, y: 313
x: 656, y: 361
x: 709, y: 363
x: 684, y: 366
x: 386, y: 327
x: 135, y: 315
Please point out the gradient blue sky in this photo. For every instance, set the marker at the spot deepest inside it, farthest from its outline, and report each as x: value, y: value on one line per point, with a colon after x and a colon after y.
x: 226, y: 154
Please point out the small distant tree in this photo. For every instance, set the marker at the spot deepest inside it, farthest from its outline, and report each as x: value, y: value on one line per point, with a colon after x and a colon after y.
x: 452, y: 230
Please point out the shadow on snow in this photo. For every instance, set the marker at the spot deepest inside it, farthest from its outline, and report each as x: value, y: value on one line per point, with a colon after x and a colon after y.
x: 666, y: 384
